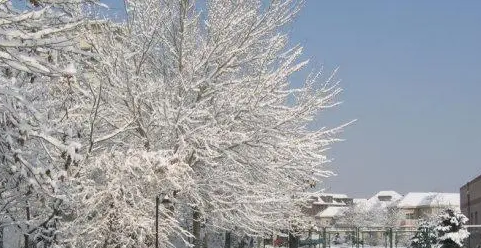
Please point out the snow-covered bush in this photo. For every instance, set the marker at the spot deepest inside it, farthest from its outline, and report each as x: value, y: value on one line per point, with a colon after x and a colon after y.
x: 451, y: 230
x: 425, y: 235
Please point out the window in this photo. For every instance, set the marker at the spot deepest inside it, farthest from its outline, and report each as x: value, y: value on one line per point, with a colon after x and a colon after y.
x: 384, y: 198
x: 410, y: 216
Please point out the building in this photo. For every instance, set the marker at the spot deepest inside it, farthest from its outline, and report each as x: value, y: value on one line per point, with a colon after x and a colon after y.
x: 471, y: 207
x: 322, y: 201
x: 325, y: 207
x: 383, y: 199
x: 358, y: 212
x: 421, y: 205
x: 396, y: 209
x: 328, y: 216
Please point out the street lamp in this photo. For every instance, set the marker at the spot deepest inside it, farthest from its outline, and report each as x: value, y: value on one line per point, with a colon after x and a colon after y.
x: 167, y: 203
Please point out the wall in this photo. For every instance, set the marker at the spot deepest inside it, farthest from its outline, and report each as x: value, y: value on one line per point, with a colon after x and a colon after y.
x: 471, y: 207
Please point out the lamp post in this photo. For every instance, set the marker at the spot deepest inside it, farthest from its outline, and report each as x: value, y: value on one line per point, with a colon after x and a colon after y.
x: 166, y: 202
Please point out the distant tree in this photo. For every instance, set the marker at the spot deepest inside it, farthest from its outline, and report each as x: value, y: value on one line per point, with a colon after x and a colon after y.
x: 355, y: 216
x: 361, y: 215
x: 451, y: 230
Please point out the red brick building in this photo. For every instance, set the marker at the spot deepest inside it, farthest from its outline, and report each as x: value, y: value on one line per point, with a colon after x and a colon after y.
x: 470, y: 194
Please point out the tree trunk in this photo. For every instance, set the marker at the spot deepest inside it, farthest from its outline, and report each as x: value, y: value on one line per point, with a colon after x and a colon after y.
x: 26, y: 236
x: 196, y: 228
x: 242, y: 243
x: 260, y: 242
x: 293, y: 241
x: 228, y: 240
x: 206, y: 240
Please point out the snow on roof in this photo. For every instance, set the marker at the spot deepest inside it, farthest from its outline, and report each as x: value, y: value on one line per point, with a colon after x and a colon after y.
x: 429, y: 199
x: 358, y: 201
x: 338, y: 196
x: 331, y: 212
x: 334, y: 202
x: 319, y: 201
x: 338, y: 203
x: 376, y: 198
x: 382, y: 199
x: 391, y: 193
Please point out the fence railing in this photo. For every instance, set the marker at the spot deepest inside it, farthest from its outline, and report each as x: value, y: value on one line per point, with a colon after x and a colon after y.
x: 358, y: 237
x: 355, y: 237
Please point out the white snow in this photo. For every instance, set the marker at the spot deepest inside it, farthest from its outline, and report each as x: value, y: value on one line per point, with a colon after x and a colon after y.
x: 335, y: 201
x: 429, y: 199
x: 319, y: 201
x: 456, y: 219
x: 70, y: 69
x: 391, y: 193
x: 337, y: 196
x: 457, y: 237
x: 358, y: 201
x: 338, y: 203
x: 375, y: 201
x: 332, y: 212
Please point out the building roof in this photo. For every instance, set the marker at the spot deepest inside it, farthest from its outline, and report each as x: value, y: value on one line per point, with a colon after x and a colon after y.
x: 337, y: 196
x: 476, y: 179
x: 429, y: 199
x: 375, y: 202
x: 334, y: 202
x: 392, y: 193
x: 331, y: 211
x: 338, y: 203
x: 358, y: 201
x: 319, y: 201
x: 336, y: 199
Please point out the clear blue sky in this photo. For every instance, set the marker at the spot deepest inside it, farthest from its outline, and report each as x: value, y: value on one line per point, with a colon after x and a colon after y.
x: 411, y: 71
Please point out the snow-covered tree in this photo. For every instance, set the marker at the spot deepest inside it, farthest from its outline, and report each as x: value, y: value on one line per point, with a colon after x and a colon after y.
x: 425, y: 235
x: 391, y: 216
x: 363, y: 215
x: 451, y: 230
x: 39, y: 106
x: 357, y: 215
x: 212, y: 89
x: 117, y: 199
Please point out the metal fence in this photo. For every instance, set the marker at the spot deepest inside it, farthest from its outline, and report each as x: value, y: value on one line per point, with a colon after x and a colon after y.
x: 357, y: 237
x: 370, y: 237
